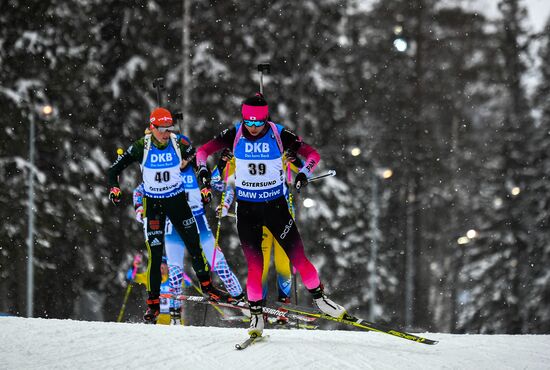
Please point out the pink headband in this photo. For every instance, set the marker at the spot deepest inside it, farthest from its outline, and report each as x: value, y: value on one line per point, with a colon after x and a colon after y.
x: 255, y: 113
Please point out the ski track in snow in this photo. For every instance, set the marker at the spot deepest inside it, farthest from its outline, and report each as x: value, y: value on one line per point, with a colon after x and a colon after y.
x: 68, y: 344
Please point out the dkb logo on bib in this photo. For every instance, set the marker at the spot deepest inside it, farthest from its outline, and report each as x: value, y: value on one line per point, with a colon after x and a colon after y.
x: 256, y: 147
x: 162, y: 157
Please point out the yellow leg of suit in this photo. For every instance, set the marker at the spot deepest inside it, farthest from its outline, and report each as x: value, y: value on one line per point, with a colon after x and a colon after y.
x: 267, y: 244
x: 282, y: 265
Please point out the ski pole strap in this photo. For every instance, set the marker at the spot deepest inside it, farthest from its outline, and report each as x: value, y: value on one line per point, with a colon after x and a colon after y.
x: 238, y: 135
x: 277, y: 136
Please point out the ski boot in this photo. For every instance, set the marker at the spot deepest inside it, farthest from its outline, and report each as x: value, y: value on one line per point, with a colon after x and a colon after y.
x: 326, y: 305
x: 241, y: 302
x: 237, y: 300
x: 256, y: 327
x: 213, y: 293
x: 176, y: 316
x: 153, y: 311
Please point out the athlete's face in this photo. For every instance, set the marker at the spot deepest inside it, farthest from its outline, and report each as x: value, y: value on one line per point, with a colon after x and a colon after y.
x: 162, y: 134
x: 254, y: 130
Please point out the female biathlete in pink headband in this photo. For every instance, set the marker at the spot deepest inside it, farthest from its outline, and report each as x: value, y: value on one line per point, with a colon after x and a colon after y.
x: 258, y: 146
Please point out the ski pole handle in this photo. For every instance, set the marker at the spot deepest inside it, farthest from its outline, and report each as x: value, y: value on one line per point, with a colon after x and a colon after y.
x: 330, y: 173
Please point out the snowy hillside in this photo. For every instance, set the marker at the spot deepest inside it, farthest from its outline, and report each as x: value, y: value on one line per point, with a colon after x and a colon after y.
x: 66, y: 344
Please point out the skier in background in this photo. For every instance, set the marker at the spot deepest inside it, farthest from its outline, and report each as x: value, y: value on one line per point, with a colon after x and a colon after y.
x: 258, y: 146
x: 162, y: 155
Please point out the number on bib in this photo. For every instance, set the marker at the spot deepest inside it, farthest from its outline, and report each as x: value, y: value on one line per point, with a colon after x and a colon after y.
x: 162, y: 176
x: 258, y: 169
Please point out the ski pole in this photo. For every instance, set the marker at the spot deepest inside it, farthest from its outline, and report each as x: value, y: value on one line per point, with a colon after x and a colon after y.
x: 187, y: 279
x: 289, y: 181
x: 329, y: 173
x: 136, y: 263
x: 216, y: 242
x: 123, y: 308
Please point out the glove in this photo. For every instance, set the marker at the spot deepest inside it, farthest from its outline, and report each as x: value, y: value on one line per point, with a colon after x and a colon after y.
x: 226, y: 156
x: 114, y: 195
x: 204, y: 177
x: 206, y: 194
x: 300, y: 181
x: 224, y: 210
x: 291, y: 155
x: 139, y: 214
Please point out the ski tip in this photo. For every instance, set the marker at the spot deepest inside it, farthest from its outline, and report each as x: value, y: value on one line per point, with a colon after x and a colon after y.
x: 428, y: 341
x: 252, y: 339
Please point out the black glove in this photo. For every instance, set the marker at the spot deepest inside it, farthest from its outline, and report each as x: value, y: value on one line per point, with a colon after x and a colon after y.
x: 226, y: 156
x: 114, y: 195
x: 204, y: 176
x: 300, y: 181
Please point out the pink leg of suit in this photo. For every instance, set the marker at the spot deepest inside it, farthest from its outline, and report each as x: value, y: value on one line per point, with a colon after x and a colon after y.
x: 275, y: 216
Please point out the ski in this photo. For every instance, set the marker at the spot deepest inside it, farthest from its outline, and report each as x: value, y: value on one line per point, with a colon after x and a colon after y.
x: 291, y: 324
x: 284, y: 313
x: 358, y: 323
x: 241, y: 318
x: 251, y: 340
x: 242, y: 306
x: 273, y: 321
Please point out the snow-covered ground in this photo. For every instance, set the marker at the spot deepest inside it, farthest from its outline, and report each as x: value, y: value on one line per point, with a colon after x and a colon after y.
x: 67, y: 344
